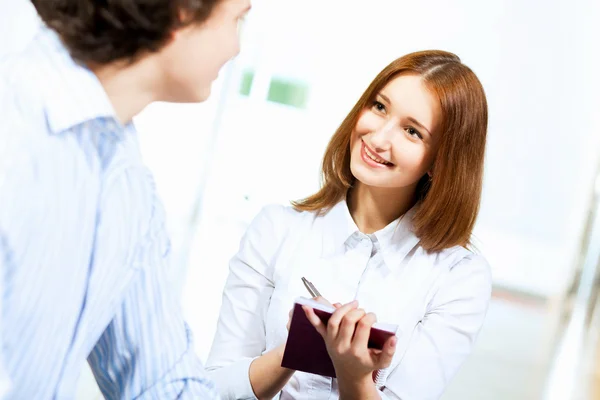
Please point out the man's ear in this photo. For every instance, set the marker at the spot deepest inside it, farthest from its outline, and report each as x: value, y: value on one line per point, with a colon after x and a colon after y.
x: 184, y: 18
x: 176, y: 32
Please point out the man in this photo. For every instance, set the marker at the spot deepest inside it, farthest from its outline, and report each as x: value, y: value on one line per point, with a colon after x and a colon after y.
x: 83, y: 247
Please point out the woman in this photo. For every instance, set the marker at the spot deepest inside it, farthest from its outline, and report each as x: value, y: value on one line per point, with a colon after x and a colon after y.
x: 390, y: 229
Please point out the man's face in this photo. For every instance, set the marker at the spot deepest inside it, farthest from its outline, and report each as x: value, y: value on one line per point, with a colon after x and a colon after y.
x: 192, y: 60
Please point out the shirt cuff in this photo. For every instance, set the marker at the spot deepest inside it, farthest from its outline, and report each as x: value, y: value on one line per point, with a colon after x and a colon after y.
x: 233, y: 381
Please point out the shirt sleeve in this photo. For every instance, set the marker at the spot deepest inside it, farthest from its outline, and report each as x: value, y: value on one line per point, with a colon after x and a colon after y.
x: 147, y: 352
x: 12, y: 192
x: 240, y: 336
x: 5, y: 383
x: 445, y: 337
x: 4, y: 379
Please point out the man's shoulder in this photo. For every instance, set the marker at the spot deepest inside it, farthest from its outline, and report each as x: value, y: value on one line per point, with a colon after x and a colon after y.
x: 22, y: 100
x: 24, y: 80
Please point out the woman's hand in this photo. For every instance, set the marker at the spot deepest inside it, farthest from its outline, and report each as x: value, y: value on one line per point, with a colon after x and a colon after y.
x: 346, y: 336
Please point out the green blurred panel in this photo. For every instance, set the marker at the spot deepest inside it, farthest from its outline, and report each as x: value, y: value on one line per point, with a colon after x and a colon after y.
x: 288, y: 92
x: 246, y: 84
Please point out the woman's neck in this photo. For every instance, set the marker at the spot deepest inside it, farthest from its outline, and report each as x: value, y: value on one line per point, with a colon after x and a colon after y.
x: 373, y: 208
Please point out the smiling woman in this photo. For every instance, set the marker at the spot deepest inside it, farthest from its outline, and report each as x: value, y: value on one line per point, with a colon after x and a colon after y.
x: 425, y: 114
x: 389, y: 230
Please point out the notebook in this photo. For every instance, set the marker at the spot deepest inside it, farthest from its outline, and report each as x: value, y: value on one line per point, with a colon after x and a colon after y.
x: 305, y: 348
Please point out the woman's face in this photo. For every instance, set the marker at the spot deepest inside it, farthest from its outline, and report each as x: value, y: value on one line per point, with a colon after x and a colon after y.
x: 396, y: 137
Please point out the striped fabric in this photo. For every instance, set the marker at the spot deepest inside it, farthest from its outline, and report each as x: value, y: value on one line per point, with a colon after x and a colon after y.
x: 83, y: 247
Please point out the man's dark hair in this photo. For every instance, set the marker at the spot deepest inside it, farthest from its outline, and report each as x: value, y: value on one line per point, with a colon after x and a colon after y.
x: 102, y: 31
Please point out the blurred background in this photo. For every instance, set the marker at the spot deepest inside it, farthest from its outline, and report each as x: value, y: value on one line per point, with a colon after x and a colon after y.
x: 303, y: 65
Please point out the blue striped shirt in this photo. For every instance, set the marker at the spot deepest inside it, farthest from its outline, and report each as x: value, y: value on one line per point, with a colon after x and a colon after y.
x: 83, y: 246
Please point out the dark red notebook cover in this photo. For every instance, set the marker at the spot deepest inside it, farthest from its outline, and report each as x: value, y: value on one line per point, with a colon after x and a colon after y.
x: 305, y: 348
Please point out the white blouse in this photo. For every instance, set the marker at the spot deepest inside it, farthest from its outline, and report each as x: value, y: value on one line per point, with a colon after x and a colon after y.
x: 438, y: 300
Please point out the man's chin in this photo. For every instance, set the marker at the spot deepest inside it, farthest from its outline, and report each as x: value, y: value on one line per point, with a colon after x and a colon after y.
x: 198, y: 97
x: 203, y: 94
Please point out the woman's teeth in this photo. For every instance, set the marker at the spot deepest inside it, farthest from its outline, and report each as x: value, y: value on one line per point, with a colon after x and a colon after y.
x: 375, y: 158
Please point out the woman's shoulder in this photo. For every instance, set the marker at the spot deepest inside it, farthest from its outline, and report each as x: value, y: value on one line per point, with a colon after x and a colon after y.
x: 459, y: 259
x: 466, y: 265
x: 461, y: 274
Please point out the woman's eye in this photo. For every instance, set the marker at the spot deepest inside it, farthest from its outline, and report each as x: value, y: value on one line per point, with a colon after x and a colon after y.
x: 379, y: 106
x: 413, y: 132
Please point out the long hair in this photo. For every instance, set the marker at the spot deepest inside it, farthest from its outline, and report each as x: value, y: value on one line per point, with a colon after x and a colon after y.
x: 448, y: 203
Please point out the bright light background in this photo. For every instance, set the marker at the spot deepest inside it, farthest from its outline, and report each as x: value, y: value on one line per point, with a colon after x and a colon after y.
x: 542, y: 152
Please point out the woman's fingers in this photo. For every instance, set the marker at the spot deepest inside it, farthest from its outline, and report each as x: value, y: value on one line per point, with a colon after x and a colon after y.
x: 363, y: 330
x: 348, y: 327
x: 387, y: 354
x: 315, y: 320
x: 322, y: 300
x: 333, y: 325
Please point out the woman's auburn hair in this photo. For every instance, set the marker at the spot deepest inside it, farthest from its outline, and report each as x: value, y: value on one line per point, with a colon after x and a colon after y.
x: 448, y: 202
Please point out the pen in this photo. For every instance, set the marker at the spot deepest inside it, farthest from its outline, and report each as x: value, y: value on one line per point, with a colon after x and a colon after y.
x: 311, y: 288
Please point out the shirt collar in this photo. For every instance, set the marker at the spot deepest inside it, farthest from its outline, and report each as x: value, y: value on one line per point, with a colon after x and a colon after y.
x: 72, y: 93
x: 396, y: 240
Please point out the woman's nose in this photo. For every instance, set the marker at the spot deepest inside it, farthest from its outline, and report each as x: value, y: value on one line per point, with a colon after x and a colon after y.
x: 382, y: 136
